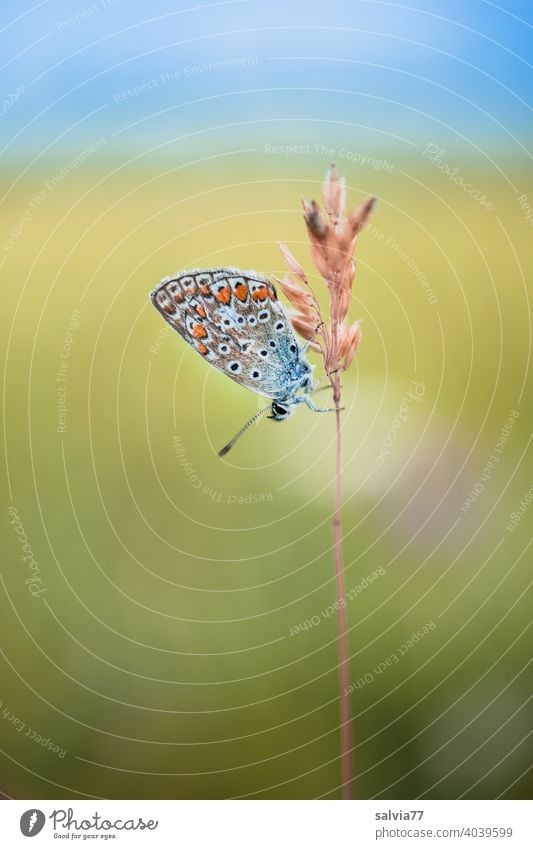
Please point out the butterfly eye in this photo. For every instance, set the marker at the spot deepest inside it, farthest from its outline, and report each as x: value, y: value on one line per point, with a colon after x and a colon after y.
x: 272, y: 344
x: 280, y: 410
x: 255, y: 374
x: 223, y: 348
x: 263, y: 352
x: 240, y: 319
x: 251, y: 319
x: 235, y: 367
x: 264, y: 315
x: 293, y: 348
x: 279, y: 326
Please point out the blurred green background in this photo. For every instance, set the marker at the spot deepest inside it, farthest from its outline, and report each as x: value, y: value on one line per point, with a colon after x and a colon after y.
x: 154, y: 640
x: 160, y: 656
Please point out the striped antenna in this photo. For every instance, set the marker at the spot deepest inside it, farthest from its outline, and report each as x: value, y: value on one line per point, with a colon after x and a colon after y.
x: 237, y: 436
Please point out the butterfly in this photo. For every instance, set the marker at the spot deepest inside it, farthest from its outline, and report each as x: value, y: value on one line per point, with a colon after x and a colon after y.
x: 234, y: 320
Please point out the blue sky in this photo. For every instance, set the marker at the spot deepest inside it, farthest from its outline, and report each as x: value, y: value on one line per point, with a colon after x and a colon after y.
x: 141, y: 73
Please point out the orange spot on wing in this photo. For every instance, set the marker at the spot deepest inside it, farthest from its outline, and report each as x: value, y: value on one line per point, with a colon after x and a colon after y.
x: 201, y: 348
x: 224, y: 295
x: 198, y: 331
x: 170, y: 309
x: 241, y: 291
x: 200, y: 310
x: 260, y: 294
x: 205, y: 290
x: 179, y: 296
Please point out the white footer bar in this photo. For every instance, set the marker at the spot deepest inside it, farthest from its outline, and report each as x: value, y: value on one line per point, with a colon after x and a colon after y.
x: 267, y: 824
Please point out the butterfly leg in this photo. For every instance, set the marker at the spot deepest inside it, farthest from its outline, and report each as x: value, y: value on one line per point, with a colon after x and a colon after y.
x: 305, y: 399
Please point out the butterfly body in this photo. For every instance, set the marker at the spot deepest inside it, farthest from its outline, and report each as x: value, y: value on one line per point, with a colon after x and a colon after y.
x: 234, y: 320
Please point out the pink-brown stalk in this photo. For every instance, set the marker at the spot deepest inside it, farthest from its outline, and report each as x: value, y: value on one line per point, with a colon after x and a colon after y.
x: 333, y: 240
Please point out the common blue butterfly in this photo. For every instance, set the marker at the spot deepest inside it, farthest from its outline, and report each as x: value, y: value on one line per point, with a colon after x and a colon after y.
x: 235, y: 321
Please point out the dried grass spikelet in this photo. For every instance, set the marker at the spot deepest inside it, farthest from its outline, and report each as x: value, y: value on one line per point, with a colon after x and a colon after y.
x: 350, y: 338
x: 305, y: 317
x: 333, y: 240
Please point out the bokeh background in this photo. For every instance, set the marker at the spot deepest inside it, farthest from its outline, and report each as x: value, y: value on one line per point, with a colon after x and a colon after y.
x: 150, y: 645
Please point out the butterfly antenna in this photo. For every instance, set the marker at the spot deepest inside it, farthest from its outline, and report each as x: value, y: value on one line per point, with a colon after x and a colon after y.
x: 238, y: 435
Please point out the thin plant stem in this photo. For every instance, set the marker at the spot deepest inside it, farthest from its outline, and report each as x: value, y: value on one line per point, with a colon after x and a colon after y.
x: 332, y: 249
x: 344, y: 660
x: 342, y: 629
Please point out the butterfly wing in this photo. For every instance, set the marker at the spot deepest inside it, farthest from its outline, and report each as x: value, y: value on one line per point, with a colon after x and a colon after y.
x: 234, y: 320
